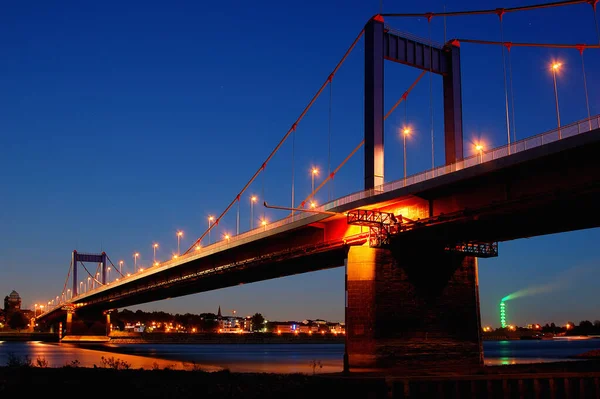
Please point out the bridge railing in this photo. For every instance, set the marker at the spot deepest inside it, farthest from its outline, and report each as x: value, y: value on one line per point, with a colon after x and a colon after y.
x: 573, y: 129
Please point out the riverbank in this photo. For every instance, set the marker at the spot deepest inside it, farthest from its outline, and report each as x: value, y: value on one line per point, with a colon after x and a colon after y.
x: 207, y: 338
x: 27, y: 336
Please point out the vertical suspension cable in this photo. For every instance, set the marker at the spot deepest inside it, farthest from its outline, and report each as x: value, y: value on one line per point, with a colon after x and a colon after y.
x: 263, y: 190
x: 445, y: 24
x: 500, y: 12
x: 587, y: 102
x: 329, y: 140
x: 431, y: 91
x: 512, y: 94
x: 293, y: 155
x: 593, y: 3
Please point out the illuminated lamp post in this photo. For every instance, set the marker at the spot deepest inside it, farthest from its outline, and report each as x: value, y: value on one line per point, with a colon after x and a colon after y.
x: 405, y: 133
x: 479, y: 148
x: 121, y: 267
x: 252, y: 201
x: 135, y: 256
x: 179, y: 235
x: 210, y: 219
x: 154, y: 246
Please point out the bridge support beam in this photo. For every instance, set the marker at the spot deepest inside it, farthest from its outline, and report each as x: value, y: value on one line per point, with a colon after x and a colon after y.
x: 412, y: 312
x: 69, y: 322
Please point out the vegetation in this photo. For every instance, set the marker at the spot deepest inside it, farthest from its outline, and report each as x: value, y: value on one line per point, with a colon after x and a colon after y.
x: 17, y: 321
x: 258, y: 322
x: 203, y: 322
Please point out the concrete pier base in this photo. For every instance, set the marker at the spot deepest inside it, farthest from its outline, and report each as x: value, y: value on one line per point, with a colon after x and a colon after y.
x: 414, y: 312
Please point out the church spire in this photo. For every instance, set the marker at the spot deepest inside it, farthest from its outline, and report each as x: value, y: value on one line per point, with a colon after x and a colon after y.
x: 219, y: 312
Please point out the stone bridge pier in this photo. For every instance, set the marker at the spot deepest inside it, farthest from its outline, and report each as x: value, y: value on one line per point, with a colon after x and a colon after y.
x: 412, y: 310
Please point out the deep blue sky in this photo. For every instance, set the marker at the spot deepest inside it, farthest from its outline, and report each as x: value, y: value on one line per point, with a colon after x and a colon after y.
x: 123, y: 122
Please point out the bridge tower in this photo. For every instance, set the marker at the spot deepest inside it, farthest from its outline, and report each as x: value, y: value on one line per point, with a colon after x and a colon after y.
x: 94, y: 258
x: 381, y: 45
x: 411, y: 306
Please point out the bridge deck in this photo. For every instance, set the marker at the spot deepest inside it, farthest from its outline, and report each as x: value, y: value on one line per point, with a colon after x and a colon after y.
x: 305, y: 229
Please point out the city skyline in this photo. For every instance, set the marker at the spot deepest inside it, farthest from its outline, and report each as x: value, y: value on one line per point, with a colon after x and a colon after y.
x: 123, y: 127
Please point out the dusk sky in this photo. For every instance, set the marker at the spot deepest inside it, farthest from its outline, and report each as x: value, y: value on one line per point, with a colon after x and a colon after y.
x: 124, y: 122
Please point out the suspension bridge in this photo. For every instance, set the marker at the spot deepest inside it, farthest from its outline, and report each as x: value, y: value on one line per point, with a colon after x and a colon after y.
x: 409, y: 246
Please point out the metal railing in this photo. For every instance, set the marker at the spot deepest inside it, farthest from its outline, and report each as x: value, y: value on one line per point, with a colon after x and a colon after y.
x: 550, y: 136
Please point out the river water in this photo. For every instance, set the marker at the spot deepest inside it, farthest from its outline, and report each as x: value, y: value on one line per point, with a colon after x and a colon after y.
x: 278, y: 358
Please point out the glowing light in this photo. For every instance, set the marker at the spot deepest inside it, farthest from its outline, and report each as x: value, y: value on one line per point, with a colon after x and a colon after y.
x: 198, y: 247
x: 503, y: 314
x: 406, y: 131
x: 227, y: 236
x: 155, y: 263
x: 253, y: 198
x: 141, y: 269
x: 264, y: 222
x: 478, y: 147
x: 179, y: 233
x: 315, y: 171
x: 211, y: 218
x: 556, y: 66
x: 313, y: 204
x: 155, y: 245
x: 175, y: 256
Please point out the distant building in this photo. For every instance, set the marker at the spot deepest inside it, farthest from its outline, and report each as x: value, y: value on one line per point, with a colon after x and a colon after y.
x: 12, y: 303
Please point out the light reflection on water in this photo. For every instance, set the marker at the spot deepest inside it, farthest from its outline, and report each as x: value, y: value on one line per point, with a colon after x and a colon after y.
x: 278, y: 358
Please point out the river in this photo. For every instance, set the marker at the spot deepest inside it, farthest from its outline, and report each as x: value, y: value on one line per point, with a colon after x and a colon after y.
x: 278, y: 358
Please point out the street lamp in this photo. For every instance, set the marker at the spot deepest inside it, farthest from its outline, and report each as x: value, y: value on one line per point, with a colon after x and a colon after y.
x: 405, y: 133
x: 88, y: 284
x: 108, y: 274
x: 179, y: 235
x: 555, y: 68
x: 264, y: 224
x: 479, y: 148
x: 314, y: 172
x: 121, y: 267
x: 135, y: 256
x: 81, y: 287
x: 252, y: 201
x: 210, y: 219
x: 68, y: 294
x: 227, y: 237
x: 154, y: 247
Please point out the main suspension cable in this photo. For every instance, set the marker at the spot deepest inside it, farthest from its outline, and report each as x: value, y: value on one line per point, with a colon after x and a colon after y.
x: 286, y: 135
x: 362, y: 142
x: 520, y: 44
x: 487, y: 11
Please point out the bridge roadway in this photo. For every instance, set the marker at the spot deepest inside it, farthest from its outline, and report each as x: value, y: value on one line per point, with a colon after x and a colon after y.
x: 545, y: 185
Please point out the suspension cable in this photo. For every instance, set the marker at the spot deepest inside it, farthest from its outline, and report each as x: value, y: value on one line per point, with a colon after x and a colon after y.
x: 594, y: 3
x: 431, y: 91
x: 284, y: 138
x: 114, y: 267
x: 404, y: 95
x: 520, y: 44
x: 90, y: 274
x: 487, y: 11
x: 587, y: 101
x: 362, y: 142
x: 67, y: 279
x: 500, y: 12
x: 293, y: 171
x: 329, y: 140
x: 512, y: 93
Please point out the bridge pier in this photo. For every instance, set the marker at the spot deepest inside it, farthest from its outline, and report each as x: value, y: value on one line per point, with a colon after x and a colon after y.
x: 412, y: 311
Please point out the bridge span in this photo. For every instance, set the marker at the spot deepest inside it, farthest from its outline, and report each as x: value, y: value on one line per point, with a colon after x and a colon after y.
x: 443, y: 219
